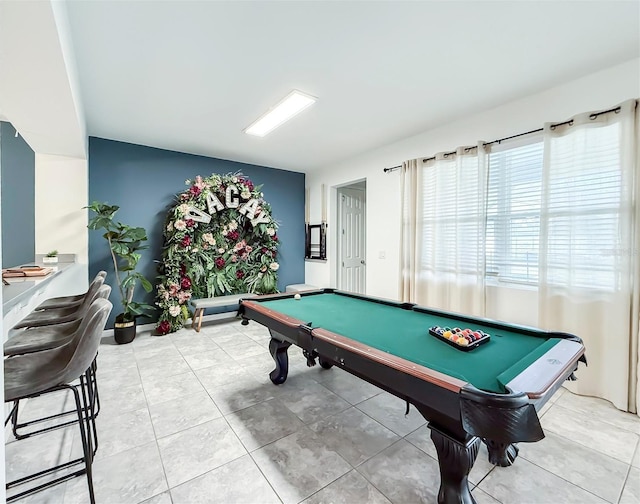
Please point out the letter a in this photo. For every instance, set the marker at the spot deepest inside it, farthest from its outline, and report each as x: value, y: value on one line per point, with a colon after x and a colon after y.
x: 198, y: 215
x: 213, y: 203
x: 249, y: 208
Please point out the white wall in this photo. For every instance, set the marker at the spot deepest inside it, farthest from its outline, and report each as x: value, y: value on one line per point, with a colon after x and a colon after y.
x: 596, y: 91
x: 62, y: 188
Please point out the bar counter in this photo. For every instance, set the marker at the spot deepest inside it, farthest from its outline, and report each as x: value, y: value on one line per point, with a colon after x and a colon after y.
x: 23, y: 294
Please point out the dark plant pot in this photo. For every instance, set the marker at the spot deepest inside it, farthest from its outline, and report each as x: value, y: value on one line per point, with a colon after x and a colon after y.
x: 124, y: 332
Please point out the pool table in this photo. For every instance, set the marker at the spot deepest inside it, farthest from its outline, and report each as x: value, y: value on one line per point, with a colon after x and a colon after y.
x: 491, y: 393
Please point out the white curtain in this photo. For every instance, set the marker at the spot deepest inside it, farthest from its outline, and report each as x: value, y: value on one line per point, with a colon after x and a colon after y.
x: 588, y: 250
x: 443, y: 231
x: 410, y: 228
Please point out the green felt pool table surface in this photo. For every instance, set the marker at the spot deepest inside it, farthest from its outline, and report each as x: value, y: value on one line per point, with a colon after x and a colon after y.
x: 405, y: 333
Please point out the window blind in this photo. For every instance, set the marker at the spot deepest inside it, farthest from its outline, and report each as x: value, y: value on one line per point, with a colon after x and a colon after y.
x: 514, y: 192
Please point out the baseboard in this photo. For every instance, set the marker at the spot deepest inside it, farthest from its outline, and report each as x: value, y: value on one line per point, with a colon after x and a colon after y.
x: 207, y: 318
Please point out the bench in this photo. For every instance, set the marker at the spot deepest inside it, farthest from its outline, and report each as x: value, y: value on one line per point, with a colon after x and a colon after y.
x: 299, y: 287
x: 215, y: 302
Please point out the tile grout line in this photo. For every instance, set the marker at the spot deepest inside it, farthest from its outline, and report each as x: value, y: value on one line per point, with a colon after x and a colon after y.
x: 626, y: 479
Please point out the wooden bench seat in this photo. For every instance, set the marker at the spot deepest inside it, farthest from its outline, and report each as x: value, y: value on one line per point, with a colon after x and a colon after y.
x: 232, y: 300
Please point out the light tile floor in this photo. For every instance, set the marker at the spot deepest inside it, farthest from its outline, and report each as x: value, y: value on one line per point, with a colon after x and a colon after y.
x: 193, y: 418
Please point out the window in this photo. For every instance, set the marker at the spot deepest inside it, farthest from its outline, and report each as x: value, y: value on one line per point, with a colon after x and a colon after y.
x: 514, y: 192
x: 568, y: 213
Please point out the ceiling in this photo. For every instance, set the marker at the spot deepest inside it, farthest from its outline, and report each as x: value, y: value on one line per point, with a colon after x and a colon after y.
x: 190, y: 75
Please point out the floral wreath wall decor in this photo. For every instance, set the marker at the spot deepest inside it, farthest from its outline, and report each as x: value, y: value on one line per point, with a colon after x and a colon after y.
x: 219, y: 238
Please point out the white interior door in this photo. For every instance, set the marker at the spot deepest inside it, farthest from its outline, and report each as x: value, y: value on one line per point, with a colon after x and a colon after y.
x: 352, y: 240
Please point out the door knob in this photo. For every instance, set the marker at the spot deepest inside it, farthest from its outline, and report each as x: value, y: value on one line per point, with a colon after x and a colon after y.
x: 362, y: 262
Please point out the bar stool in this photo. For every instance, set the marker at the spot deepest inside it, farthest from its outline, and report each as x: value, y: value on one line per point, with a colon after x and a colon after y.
x: 68, y: 301
x: 38, y: 339
x: 40, y: 373
x: 46, y: 337
x: 59, y: 315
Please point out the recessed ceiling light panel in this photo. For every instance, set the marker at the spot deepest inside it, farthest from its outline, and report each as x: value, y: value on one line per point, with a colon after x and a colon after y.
x: 294, y: 103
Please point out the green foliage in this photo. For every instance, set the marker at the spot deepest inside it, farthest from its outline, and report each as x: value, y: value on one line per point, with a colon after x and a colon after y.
x: 230, y: 254
x: 125, y: 243
x: 53, y: 253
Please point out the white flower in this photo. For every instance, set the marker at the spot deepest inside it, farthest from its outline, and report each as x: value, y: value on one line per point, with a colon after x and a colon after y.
x: 233, y: 225
x: 274, y: 266
x: 170, y: 226
x: 184, y: 209
x: 220, y: 250
x: 259, y: 275
x: 234, y: 180
x: 174, y: 310
x: 180, y: 225
x: 187, y: 182
x: 194, y: 250
x: 245, y: 194
x: 271, y: 231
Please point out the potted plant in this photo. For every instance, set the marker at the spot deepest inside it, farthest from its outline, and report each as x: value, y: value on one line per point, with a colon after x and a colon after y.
x: 125, y: 243
x: 51, y: 257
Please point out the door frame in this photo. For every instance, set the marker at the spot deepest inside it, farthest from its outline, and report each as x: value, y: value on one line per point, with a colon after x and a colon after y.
x: 360, y: 184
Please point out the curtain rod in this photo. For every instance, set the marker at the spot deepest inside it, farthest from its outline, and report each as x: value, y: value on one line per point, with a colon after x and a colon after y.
x: 553, y: 126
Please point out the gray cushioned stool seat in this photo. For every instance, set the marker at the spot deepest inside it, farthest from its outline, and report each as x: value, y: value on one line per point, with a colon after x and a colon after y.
x: 68, y: 301
x: 37, y: 339
x: 60, y: 315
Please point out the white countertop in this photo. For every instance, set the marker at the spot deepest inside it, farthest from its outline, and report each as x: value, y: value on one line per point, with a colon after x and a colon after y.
x: 20, y: 289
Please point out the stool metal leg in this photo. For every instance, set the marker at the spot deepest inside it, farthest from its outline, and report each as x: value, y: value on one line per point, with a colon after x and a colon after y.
x: 94, y: 410
x: 86, y: 459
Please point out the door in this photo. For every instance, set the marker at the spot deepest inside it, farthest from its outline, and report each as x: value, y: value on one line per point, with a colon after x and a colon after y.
x: 352, y: 268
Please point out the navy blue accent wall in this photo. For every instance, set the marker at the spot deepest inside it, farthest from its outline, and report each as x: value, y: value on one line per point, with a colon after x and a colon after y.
x: 18, y: 163
x: 143, y: 181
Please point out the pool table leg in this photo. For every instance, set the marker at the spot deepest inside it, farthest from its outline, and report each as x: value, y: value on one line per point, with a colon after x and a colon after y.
x: 501, y: 454
x: 456, y: 459
x: 278, y: 351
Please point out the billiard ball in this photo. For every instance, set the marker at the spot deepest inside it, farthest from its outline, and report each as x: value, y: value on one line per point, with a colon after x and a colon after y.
x: 462, y: 341
x: 296, y: 297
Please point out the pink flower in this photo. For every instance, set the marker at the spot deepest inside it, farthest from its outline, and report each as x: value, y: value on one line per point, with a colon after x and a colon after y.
x: 185, y: 283
x: 239, y: 274
x: 190, y: 223
x: 184, y: 296
x: 186, y: 241
x: 248, y: 248
x: 195, y: 191
x: 233, y: 235
x: 173, y: 289
x: 234, y: 258
x: 219, y: 263
x: 199, y: 183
